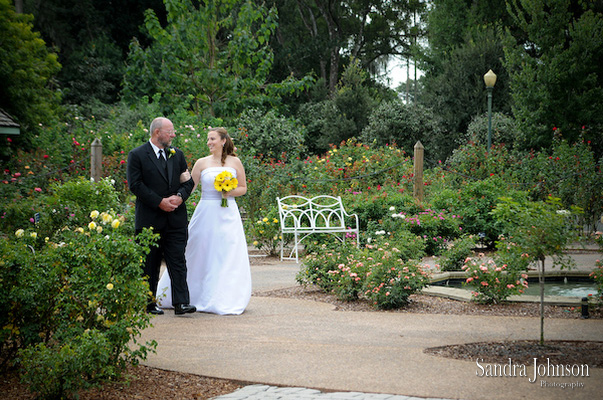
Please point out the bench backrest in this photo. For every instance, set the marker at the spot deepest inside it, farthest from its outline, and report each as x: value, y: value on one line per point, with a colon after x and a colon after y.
x: 319, y: 213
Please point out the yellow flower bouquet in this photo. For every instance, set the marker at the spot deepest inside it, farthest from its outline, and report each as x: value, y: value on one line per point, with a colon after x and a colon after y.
x: 225, y: 182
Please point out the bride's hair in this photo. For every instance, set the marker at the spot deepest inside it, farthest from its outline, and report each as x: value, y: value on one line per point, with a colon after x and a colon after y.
x: 229, y: 149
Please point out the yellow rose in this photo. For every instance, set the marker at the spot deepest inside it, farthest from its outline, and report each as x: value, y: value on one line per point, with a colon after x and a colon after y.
x: 19, y: 233
x: 115, y: 224
x: 275, y: 220
x: 99, y: 229
x: 92, y: 226
x: 33, y: 235
x: 94, y: 214
x: 109, y: 286
x: 265, y: 219
x: 255, y: 242
x: 107, y: 218
x: 80, y: 229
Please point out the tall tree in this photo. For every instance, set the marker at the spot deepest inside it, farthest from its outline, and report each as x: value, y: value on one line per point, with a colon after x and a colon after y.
x: 464, y: 43
x: 27, y: 69
x: 315, y: 36
x: 214, y: 58
x: 556, y: 69
x: 92, y: 38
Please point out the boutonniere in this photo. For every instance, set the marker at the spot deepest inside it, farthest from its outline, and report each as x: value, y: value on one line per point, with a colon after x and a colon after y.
x: 171, y: 151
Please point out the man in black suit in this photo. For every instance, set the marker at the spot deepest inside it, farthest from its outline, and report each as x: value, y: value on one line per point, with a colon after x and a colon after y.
x: 158, y: 176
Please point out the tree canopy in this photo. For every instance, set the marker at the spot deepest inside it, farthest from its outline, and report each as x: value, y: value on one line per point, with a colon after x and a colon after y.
x: 214, y: 58
x: 27, y: 69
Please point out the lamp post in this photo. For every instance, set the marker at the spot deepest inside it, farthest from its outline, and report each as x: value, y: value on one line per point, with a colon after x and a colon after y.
x: 490, y: 80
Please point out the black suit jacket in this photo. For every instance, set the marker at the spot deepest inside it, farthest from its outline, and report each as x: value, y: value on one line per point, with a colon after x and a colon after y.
x: 151, y: 183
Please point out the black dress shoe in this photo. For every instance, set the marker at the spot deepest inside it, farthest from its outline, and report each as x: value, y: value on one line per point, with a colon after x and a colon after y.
x: 180, y: 309
x: 153, y: 309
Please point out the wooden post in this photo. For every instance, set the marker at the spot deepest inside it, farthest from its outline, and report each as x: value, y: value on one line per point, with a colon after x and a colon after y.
x: 418, y: 188
x: 96, y: 160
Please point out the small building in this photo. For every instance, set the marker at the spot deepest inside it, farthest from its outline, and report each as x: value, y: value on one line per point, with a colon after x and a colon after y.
x: 8, y: 126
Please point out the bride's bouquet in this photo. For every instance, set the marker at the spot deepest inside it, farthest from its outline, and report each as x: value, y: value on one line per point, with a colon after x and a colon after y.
x: 225, y: 182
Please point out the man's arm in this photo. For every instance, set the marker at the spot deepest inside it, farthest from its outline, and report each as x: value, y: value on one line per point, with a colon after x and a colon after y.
x: 186, y: 185
x: 136, y: 183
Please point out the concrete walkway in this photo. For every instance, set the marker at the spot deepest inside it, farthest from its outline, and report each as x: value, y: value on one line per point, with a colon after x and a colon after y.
x: 300, y: 349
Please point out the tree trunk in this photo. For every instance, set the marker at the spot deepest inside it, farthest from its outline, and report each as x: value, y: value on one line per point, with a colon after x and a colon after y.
x: 541, y: 282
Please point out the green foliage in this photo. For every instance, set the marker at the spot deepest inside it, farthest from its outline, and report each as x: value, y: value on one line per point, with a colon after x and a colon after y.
x: 75, y: 303
x: 391, y: 281
x: 555, y: 50
x: 271, y: 136
x: 341, y: 117
x: 212, y: 58
x: 65, y: 205
x: 93, y: 72
x: 436, y: 228
x: 453, y: 258
x: 320, y: 259
x: 504, y: 130
x: 264, y: 233
x: 475, y: 162
x: 26, y: 73
x: 475, y: 202
x: 597, y: 276
x: 539, y: 229
x: 492, y: 282
x: 454, y: 84
x: 404, y: 125
x: 568, y: 171
x: 375, y: 273
x: 407, y: 245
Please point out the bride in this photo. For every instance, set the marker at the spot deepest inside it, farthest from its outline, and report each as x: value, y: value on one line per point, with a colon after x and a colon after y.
x: 219, y: 277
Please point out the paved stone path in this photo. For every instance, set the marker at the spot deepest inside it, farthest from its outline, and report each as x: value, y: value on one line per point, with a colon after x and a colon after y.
x: 265, y: 392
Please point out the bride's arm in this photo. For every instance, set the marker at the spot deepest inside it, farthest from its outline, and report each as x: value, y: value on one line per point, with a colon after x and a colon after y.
x: 196, y: 174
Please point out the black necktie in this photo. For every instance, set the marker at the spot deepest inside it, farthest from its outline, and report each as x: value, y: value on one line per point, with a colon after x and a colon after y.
x: 162, y: 160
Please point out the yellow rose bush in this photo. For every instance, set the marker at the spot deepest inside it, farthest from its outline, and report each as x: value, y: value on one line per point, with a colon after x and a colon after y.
x: 265, y: 233
x: 74, y: 302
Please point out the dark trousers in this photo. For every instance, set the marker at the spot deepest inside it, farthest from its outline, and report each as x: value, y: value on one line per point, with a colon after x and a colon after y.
x: 171, y: 247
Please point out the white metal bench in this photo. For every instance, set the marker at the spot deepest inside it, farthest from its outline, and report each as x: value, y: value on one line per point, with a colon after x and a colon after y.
x: 302, y: 217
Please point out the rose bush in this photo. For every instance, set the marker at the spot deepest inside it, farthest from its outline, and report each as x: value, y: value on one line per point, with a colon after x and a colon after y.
x: 74, y: 302
x: 492, y: 283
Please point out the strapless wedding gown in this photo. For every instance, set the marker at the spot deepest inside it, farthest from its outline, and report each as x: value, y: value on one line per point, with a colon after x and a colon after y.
x: 218, y: 273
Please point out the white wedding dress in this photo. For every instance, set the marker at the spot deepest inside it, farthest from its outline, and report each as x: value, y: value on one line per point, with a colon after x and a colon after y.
x: 218, y: 277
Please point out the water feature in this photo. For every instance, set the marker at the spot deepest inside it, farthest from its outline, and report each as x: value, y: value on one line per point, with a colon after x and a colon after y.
x: 564, y: 287
x: 561, y: 288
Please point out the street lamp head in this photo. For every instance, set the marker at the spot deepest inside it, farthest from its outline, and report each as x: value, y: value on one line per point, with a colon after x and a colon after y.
x: 490, y: 79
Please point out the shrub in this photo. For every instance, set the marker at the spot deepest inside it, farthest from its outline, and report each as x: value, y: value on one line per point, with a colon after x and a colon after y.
x: 597, y: 276
x: 74, y: 304
x: 437, y: 228
x: 492, y: 283
x: 504, y: 130
x: 475, y: 162
x: 320, y: 259
x: 272, y: 136
x: 376, y: 273
x: 264, y: 233
x: 475, y: 202
x: 348, y: 278
x: 390, y: 281
x: 394, y: 122
x: 458, y: 251
x: 408, y: 245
